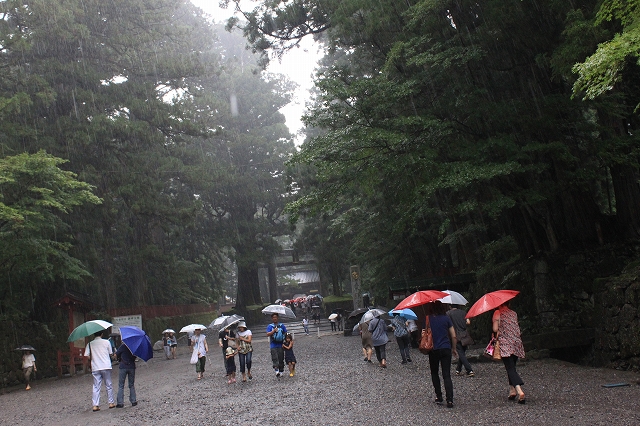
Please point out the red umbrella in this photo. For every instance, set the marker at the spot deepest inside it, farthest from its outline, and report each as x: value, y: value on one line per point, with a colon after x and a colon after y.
x: 491, y: 301
x: 420, y: 298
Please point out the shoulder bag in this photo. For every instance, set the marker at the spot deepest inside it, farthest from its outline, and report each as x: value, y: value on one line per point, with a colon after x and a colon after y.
x: 426, y: 342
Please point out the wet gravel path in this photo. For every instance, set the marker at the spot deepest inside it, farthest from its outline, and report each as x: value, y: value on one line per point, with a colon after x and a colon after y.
x: 333, y: 386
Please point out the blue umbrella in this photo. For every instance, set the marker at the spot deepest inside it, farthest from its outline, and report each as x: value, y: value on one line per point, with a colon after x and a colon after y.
x: 404, y: 313
x: 137, y: 341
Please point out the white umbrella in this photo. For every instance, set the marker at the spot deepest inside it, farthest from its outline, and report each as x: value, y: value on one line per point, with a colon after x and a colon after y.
x: 216, y: 322
x: 192, y: 327
x: 225, y: 321
x: 168, y: 330
x: 371, y: 314
x: 333, y: 316
x: 453, y: 298
x: 283, y: 311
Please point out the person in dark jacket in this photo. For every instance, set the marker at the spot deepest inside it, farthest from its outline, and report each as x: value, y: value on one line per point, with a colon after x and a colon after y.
x: 127, y: 369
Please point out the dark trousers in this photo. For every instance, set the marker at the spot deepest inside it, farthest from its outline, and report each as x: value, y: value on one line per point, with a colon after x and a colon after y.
x: 200, y: 364
x: 123, y: 373
x: 437, y: 358
x: 510, y: 365
x: 415, y: 339
x: 462, y: 358
x: 403, y: 345
x: 245, y: 359
x: 277, y: 358
x: 381, y: 352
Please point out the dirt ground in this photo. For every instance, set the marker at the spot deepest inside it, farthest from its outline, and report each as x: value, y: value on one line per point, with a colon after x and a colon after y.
x: 333, y: 386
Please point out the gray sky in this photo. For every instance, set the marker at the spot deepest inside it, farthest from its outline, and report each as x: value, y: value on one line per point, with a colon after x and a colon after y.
x: 297, y: 64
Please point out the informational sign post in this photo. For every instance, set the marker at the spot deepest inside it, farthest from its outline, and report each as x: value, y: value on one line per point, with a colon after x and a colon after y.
x: 118, y: 322
x: 354, y: 273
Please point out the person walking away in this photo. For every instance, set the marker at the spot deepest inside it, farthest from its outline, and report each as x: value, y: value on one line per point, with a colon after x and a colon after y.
x: 174, y: 345
x: 340, y: 322
x: 505, y: 326
x: 333, y: 324
x: 200, y: 346
x: 305, y: 325
x: 225, y: 336
x: 126, y: 370
x: 444, y: 345
x: 414, y: 333
x: 230, y: 355
x: 245, y: 349
x: 402, y: 337
x: 166, y: 345
x: 367, y: 343
x: 276, y: 332
x: 463, y: 339
x: 28, y: 367
x: 289, y: 356
x: 379, y: 337
x: 99, y: 350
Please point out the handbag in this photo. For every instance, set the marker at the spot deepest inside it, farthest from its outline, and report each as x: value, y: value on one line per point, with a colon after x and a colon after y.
x: 496, y: 351
x: 492, y: 351
x: 244, y: 347
x: 426, y: 341
x: 194, y: 356
x: 488, y: 351
x: 466, y: 339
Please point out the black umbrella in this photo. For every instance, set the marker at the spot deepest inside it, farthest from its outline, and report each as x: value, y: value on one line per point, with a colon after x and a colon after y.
x: 26, y: 348
x: 357, y: 312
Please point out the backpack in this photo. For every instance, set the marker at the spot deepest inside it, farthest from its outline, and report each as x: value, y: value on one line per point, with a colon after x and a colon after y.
x: 278, y: 336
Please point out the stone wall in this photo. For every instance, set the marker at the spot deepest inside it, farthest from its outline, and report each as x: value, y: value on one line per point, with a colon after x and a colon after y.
x: 617, y: 339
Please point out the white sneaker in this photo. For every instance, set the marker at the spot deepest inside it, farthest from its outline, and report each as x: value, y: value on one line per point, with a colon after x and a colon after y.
x: 278, y: 374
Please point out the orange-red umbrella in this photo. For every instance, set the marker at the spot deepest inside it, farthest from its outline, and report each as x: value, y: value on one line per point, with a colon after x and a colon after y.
x: 491, y: 301
x: 420, y: 298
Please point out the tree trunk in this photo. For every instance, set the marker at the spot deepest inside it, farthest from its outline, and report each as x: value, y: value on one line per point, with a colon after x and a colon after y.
x: 627, y: 193
x: 248, y: 287
x: 273, y: 280
x: 107, y: 270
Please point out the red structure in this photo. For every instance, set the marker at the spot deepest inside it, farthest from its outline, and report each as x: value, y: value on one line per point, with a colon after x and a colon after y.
x: 77, y: 305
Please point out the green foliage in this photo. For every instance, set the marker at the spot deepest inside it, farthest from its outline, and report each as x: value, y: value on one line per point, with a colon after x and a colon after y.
x: 444, y: 136
x: 35, y: 194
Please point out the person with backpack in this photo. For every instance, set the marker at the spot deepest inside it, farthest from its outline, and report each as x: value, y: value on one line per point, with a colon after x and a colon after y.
x: 276, y: 332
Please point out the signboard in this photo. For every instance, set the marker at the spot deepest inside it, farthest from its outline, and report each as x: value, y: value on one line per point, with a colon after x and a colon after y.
x: 126, y: 320
x: 354, y: 273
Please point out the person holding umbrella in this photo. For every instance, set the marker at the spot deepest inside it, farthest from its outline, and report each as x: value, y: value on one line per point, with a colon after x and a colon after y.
x: 378, y: 329
x: 507, y: 330
x: 28, y: 366
x: 444, y: 345
x: 402, y: 336
x: 174, y: 344
x: 225, y: 336
x: 200, y: 346
x: 100, y: 351
x: 276, y: 332
x: 127, y: 369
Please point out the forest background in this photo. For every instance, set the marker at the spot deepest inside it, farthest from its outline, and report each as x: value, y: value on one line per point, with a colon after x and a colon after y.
x: 144, y: 160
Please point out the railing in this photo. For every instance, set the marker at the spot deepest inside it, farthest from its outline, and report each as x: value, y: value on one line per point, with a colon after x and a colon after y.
x: 74, y: 361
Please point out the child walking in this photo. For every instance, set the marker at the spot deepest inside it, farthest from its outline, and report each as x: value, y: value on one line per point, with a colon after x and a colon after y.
x: 28, y: 365
x: 289, y: 357
x: 230, y: 356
